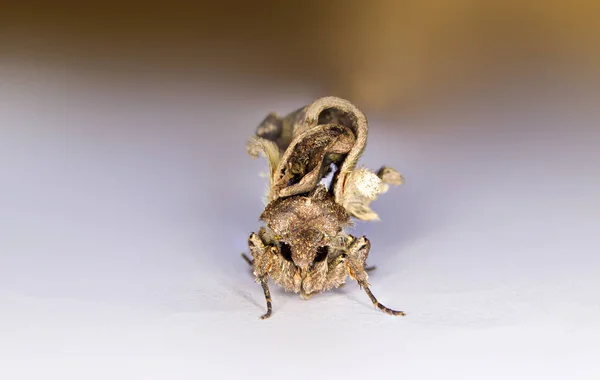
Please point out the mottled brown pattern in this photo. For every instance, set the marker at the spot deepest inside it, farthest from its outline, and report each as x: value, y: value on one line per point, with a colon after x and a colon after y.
x: 311, y: 158
x: 303, y: 246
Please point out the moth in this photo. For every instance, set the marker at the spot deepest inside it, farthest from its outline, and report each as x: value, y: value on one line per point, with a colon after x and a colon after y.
x: 303, y: 245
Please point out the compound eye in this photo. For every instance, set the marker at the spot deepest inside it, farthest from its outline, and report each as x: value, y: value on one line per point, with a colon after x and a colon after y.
x: 286, y: 251
x: 321, y: 254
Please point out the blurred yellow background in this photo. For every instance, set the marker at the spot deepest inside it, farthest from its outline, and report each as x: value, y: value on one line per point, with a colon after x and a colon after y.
x: 382, y: 54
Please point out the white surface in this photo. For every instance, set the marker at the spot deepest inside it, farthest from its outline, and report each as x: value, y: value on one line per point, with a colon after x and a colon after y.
x: 124, y: 212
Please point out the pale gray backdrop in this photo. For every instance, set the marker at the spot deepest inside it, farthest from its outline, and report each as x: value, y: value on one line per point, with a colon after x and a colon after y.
x: 124, y: 207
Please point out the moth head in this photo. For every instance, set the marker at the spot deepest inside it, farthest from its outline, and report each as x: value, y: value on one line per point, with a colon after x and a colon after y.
x: 305, y: 248
x: 305, y: 225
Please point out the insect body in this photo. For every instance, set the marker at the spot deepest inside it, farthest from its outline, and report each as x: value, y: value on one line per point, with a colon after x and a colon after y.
x: 303, y: 246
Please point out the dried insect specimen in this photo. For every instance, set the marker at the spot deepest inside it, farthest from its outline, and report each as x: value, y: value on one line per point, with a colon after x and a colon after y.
x: 303, y: 246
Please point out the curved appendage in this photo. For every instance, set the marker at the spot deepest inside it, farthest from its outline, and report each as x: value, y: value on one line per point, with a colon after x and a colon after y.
x: 306, y: 160
x: 283, y: 140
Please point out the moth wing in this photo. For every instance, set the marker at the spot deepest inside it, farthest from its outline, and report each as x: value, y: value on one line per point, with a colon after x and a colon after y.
x: 259, y: 146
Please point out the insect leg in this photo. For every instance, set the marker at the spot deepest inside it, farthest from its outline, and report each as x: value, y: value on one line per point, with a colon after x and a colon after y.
x: 247, y: 259
x: 357, y: 255
x: 265, y: 286
x: 378, y: 304
x: 261, y: 262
